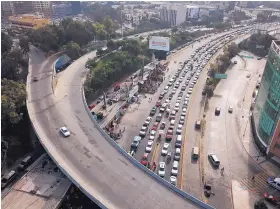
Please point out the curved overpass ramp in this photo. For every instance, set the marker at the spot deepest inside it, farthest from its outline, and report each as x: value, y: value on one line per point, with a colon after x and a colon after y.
x: 87, y: 157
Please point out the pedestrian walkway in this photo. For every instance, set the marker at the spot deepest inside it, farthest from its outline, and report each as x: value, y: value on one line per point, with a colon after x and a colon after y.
x: 257, y: 183
x: 241, y: 196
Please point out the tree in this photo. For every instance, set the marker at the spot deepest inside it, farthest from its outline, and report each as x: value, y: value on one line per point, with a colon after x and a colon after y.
x: 233, y: 50
x: 12, y: 63
x: 73, y: 50
x: 6, y: 43
x: 111, y: 45
x: 109, y: 24
x: 238, y: 16
x: 174, y: 29
x: 13, y: 99
x: 24, y: 44
x: 260, y: 205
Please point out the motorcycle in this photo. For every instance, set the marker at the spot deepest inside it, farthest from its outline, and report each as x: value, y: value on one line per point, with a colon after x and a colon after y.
x: 168, y: 157
x: 272, y: 199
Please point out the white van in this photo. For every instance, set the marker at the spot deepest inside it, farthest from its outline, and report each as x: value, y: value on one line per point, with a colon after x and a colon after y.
x: 177, y: 155
x: 7, y: 179
x: 178, y: 142
x: 195, y: 152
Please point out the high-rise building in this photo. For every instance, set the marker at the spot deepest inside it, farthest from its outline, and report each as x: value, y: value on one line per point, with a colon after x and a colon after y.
x: 174, y: 15
x: 7, y: 8
x: 76, y: 7
x: 266, y: 108
x: 23, y: 7
x: 61, y: 10
x: 274, y: 147
x: 42, y: 7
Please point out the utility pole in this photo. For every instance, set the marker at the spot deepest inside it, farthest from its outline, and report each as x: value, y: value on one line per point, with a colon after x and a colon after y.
x: 122, y: 20
x: 104, y: 98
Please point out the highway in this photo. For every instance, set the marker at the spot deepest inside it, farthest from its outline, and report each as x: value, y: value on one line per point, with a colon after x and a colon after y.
x: 90, y: 161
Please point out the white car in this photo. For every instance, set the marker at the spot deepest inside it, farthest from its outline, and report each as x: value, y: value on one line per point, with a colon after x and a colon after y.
x: 149, y: 146
x: 166, y: 88
x: 179, y: 129
x: 176, y: 108
x: 147, y: 121
x: 64, y: 131
x: 161, y: 170
x: 174, y: 170
x: 164, y: 149
x: 152, y: 137
x: 173, y: 180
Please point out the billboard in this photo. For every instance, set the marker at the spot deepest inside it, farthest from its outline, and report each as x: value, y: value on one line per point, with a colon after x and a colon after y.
x: 159, y: 43
x: 193, y: 12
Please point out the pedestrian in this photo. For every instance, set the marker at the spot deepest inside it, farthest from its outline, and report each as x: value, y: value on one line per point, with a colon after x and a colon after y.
x: 253, y: 178
x: 123, y: 129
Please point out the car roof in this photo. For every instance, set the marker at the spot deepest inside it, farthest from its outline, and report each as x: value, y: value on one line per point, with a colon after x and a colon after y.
x: 161, y: 164
x: 277, y: 180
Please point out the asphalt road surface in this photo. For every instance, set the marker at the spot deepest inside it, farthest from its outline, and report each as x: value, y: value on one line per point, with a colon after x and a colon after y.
x: 223, y: 133
x: 86, y: 156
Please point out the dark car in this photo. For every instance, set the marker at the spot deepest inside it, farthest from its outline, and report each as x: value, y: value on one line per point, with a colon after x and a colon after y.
x: 153, y: 111
x: 134, y: 145
x: 217, y: 111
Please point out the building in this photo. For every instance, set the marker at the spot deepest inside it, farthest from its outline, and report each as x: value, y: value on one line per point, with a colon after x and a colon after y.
x: 76, y: 7
x: 43, y: 186
x: 7, y: 8
x: 274, y: 147
x: 29, y: 21
x: 266, y: 107
x: 61, y: 10
x: 174, y: 15
x: 192, y: 13
x: 42, y: 7
x: 23, y: 7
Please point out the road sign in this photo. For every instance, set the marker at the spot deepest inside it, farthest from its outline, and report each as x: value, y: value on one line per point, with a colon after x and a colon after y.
x: 249, y: 57
x: 220, y: 76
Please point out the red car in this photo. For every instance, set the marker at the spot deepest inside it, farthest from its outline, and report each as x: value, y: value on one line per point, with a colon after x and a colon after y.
x: 144, y: 160
x: 158, y: 104
x: 170, y: 131
x: 155, y: 126
x: 117, y: 87
x: 169, y: 137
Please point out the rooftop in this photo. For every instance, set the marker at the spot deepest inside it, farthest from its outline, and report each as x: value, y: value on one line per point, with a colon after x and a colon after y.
x: 44, y: 186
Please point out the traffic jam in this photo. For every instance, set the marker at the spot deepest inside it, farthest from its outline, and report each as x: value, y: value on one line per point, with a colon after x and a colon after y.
x: 162, y: 133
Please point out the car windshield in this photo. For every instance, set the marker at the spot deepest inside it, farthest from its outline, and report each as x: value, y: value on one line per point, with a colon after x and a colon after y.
x: 64, y: 130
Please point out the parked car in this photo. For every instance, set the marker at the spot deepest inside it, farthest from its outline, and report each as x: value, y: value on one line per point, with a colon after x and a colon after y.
x: 274, y: 182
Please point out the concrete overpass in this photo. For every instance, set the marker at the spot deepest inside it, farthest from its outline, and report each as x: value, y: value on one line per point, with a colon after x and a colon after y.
x: 89, y: 158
